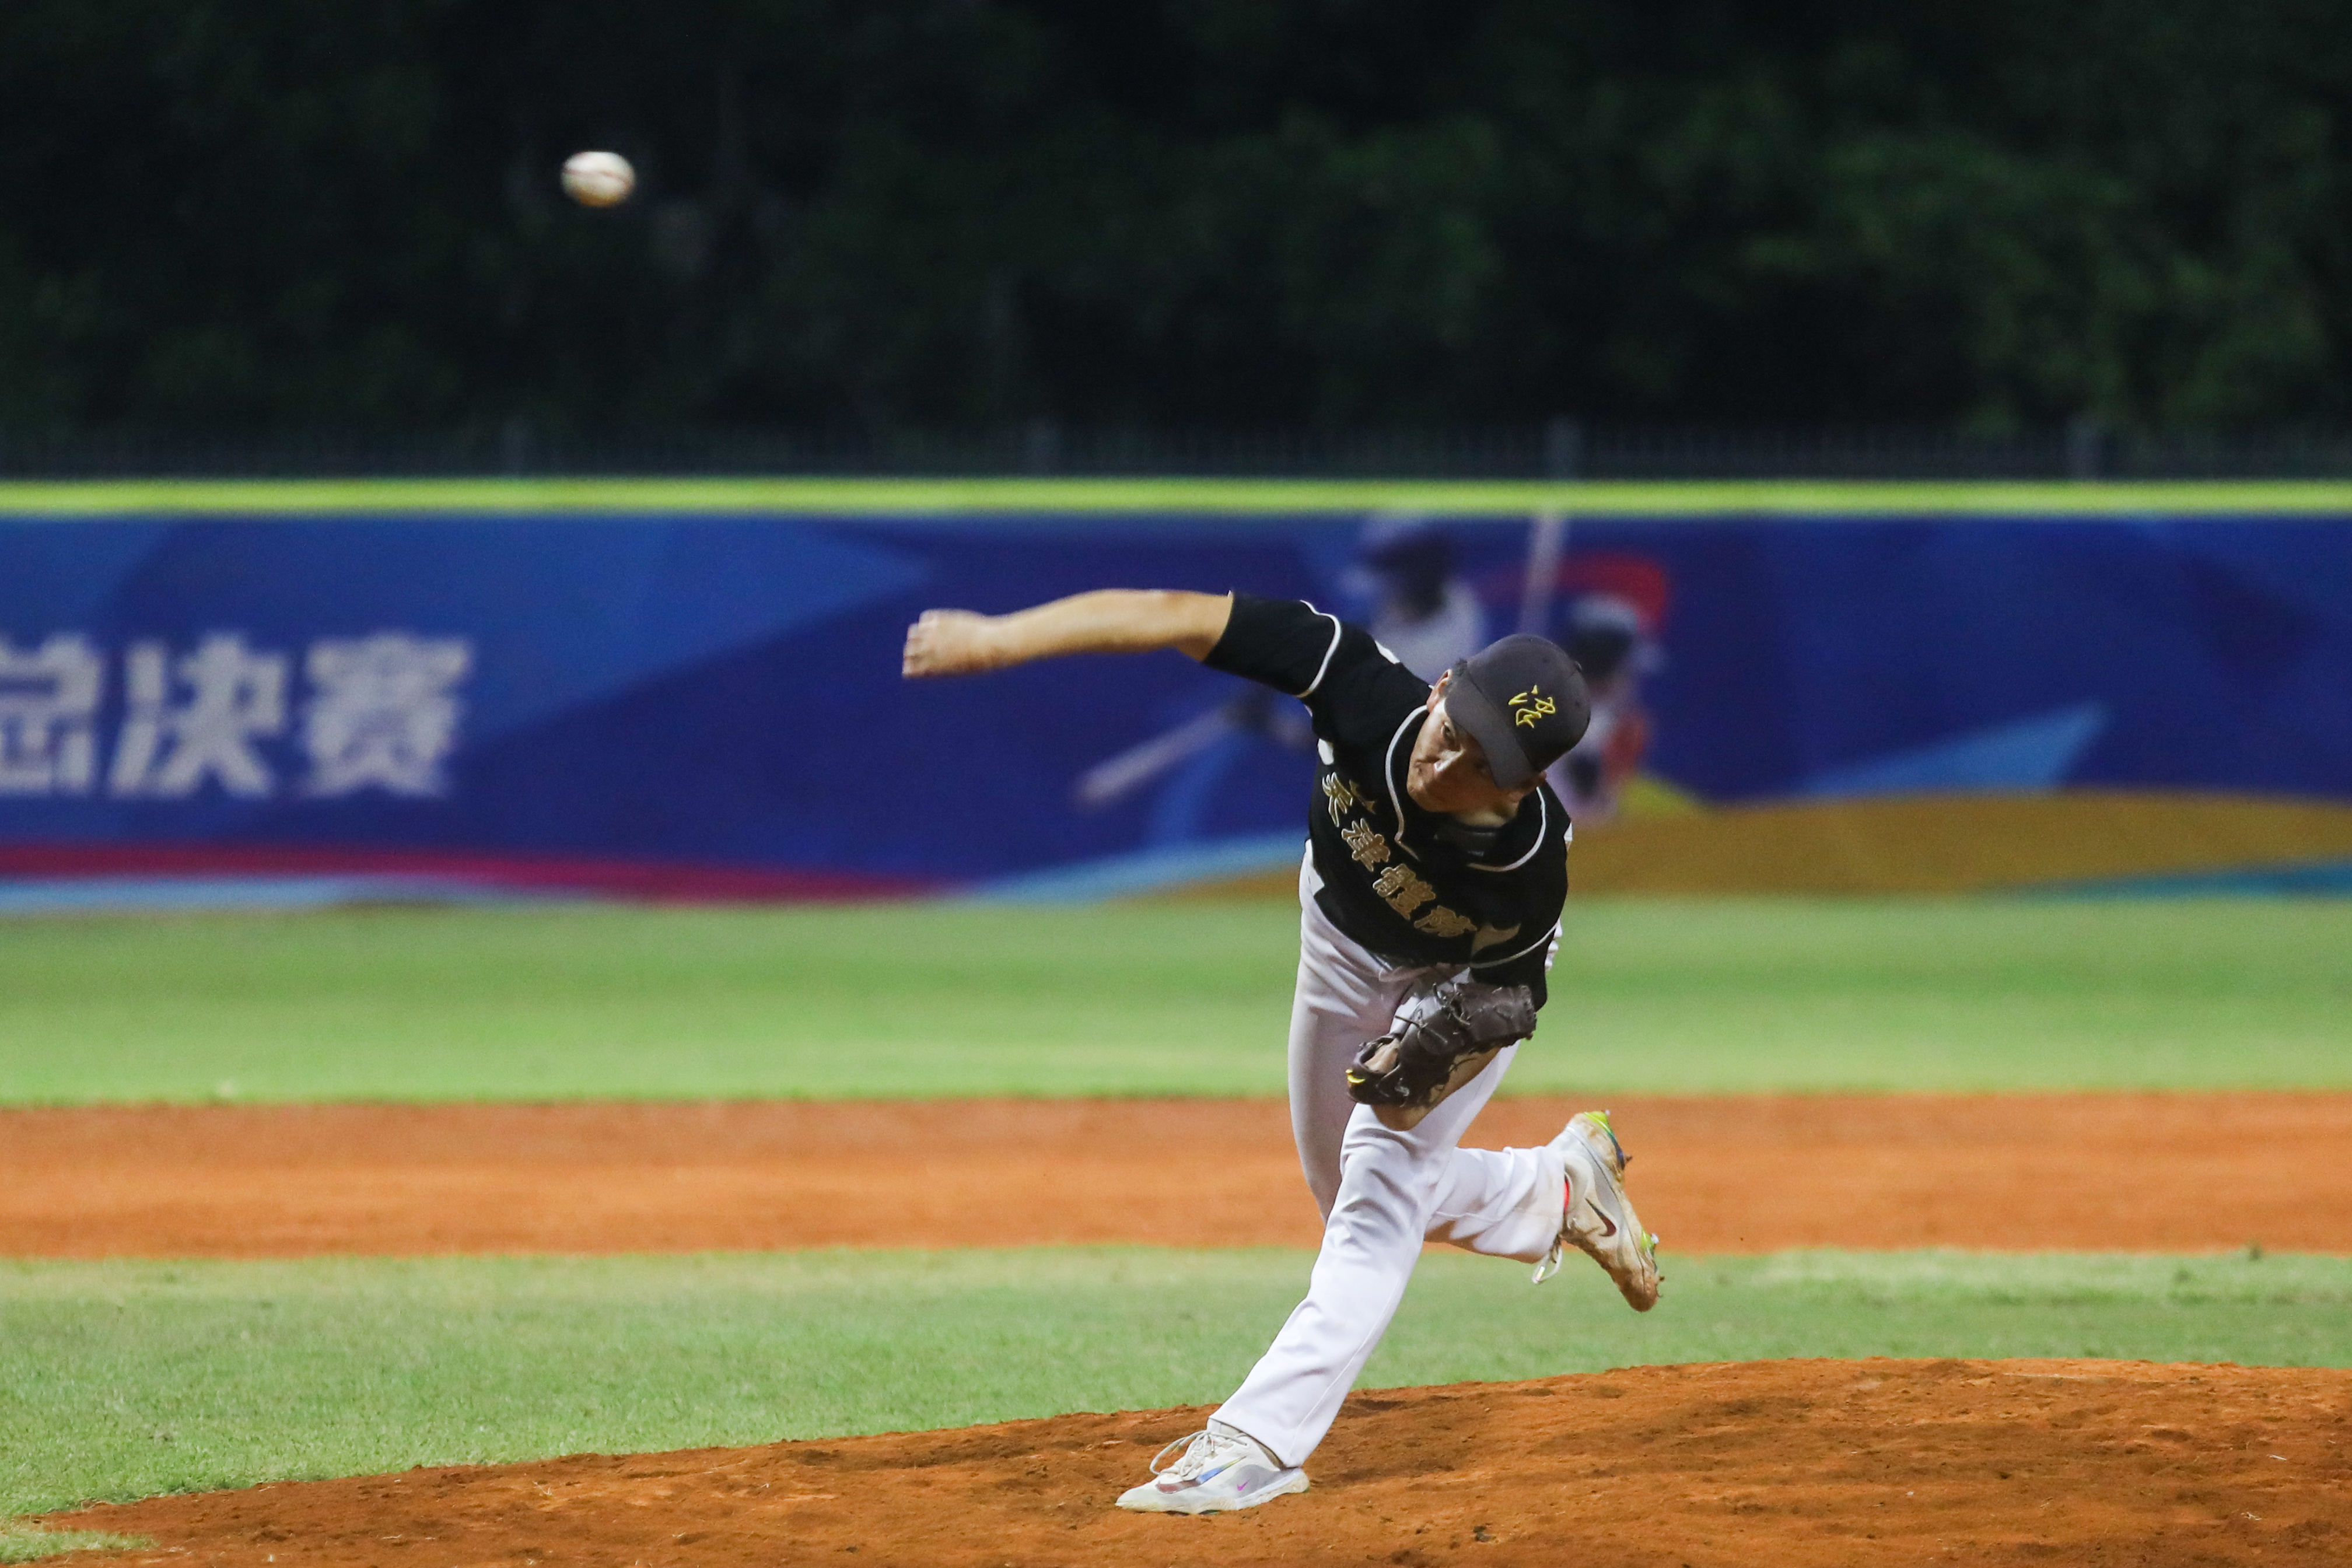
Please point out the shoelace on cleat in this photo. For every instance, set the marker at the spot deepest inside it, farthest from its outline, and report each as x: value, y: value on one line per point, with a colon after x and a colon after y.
x: 1200, y: 1449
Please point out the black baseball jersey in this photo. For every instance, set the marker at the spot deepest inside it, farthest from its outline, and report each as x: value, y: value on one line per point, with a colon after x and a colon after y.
x: 1409, y: 884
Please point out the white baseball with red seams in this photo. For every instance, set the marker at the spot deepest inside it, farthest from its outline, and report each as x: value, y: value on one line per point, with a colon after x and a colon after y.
x: 598, y: 179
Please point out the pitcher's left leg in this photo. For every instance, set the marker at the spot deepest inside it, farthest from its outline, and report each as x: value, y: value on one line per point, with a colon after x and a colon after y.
x: 1388, y: 1182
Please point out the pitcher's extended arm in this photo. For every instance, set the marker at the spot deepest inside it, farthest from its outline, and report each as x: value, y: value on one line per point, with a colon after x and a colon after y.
x: 1109, y: 620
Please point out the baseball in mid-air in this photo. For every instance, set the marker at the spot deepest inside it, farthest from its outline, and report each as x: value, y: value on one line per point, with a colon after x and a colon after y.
x: 598, y: 179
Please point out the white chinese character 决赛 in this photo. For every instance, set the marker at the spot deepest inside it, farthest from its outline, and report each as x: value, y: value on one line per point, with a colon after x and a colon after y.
x: 48, y: 709
x: 234, y: 697
x: 382, y: 711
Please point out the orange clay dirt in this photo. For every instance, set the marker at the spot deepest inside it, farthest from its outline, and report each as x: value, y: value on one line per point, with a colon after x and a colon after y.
x: 1770, y: 1465
x: 2099, y: 1172
x: 1765, y: 1465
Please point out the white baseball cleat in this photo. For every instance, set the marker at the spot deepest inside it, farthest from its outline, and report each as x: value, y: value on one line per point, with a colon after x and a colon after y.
x: 1599, y: 1219
x: 1218, y: 1471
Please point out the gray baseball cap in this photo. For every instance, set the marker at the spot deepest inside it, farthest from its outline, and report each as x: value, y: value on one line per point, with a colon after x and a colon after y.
x: 1523, y: 700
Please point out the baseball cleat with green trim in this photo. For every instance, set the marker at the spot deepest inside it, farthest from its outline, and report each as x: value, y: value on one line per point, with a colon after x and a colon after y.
x: 1598, y: 1218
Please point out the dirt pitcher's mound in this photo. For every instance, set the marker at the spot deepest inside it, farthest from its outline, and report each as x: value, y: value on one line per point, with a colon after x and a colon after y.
x: 1807, y: 1462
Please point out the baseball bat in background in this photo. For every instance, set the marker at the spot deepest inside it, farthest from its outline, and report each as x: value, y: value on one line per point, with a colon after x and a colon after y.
x: 1547, y: 548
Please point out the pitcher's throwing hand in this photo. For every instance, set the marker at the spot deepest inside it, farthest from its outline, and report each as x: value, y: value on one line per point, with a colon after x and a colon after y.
x: 949, y: 642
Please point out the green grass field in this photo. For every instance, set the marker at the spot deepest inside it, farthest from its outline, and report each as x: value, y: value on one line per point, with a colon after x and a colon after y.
x: 120, y: 1380
x: 942, y: 1001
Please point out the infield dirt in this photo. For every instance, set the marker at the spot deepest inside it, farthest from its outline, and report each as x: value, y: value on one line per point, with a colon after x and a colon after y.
x: 1718, y: 1174
x: 1767, y: 1464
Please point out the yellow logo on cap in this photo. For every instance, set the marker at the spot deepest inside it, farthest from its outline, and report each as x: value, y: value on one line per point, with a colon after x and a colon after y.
x: 1532, y: 705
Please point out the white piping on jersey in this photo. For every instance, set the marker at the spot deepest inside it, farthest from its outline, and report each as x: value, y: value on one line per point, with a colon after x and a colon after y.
x: 1543, y: 821
x: 1491, y: 962
x: 1388, y: 767
x: 1325, y: 667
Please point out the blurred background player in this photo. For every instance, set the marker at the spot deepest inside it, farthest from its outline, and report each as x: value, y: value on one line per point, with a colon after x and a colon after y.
x: 1430, y: 900
x: 1421, y: 612
x: 1604, y: 635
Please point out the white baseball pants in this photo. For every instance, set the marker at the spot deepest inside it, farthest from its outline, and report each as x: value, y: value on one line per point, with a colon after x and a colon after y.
x: 1383, y: 1192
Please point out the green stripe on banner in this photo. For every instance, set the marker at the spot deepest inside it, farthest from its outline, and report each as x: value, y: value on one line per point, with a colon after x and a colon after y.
x: 1236, y: 498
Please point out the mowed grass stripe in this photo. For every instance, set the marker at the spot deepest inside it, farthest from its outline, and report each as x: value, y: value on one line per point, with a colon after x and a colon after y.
x: 946, y: 1001
x: 121, y: 1380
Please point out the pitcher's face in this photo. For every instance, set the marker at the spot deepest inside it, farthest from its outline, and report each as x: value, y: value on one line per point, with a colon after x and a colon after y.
x: 1447, y: 770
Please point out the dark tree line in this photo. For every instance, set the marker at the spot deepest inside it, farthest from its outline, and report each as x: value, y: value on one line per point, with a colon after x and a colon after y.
x: 269, y: 214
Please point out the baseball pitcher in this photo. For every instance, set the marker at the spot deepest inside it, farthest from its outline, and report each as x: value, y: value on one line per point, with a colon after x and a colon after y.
x: 1429, y: 902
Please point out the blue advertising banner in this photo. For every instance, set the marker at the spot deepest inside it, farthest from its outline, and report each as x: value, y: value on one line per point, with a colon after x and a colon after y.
x: 708, y: 705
